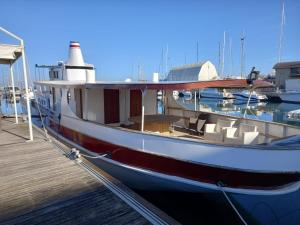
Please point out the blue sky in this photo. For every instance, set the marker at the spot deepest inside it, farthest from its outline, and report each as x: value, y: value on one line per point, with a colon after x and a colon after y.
x: 118, y: 35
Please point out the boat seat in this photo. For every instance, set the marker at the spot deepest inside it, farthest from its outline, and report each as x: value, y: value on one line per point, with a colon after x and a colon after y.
x: 245, y: 134
x: 195, y: 124
x: 200, y: 125
x: 215, y: 131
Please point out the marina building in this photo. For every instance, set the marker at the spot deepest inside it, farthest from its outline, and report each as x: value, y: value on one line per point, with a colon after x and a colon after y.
x: 287, y: 75
x: 193, y: 72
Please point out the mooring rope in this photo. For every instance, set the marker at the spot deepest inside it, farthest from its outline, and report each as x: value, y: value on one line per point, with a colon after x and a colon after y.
x: 220, y: 185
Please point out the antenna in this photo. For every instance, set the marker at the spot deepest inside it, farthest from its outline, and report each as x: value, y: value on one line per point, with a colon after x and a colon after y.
x: 223, y: 53
x: 197, y: 52
x: 242, y: 54
x: 281, y: 31
x: 230, y: 55
x: 167, y: 51
x: 219, y: 63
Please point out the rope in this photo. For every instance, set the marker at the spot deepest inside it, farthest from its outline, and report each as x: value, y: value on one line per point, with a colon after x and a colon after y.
x: 41, y: 117
x: 220, y: 185
x: 94, y: 157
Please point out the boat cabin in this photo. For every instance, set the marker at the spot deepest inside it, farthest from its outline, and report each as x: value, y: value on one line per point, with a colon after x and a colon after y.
x: 72, y: 92
x: 134, y: 106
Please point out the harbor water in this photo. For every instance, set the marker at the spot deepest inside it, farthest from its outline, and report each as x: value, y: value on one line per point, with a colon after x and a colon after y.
x: 267, y: 111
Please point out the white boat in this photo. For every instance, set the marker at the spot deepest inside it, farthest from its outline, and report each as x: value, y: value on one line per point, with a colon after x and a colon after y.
x: 289, y: 96
x: 175, y: 93
x: 30, y: 94
x: 117, y: 124
x: 245, y: 94
x: 8, y: 92
x: 215, y: 93
x: 293, y: 115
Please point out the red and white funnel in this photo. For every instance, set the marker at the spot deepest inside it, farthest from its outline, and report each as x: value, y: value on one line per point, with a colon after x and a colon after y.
x: 75, y: 55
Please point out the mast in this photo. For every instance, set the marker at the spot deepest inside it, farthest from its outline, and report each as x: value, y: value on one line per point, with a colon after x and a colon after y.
x: 223, y: 53
x: 197, y: 52
x: 281, y: 31
x: 166, y: 69
x: 219, y: 62
x: 230, y: 55
x: 242, y: 54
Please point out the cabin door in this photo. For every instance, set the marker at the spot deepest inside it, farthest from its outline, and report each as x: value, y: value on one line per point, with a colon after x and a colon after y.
x: 135, y: 103
x: 111, y: 106
x: 78, y: 102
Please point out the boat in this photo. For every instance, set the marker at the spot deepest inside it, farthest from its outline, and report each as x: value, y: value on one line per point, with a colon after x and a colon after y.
x: 215, y: 93
x: 116, y: 125
x: 30, y: 94
x: 289, y: 96
x: 8, y: 92
x: 245, y: 94
x: 293, y: 115
x: 186, y: 94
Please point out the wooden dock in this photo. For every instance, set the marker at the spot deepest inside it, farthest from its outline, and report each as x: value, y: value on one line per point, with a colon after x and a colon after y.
x: 40, y: 185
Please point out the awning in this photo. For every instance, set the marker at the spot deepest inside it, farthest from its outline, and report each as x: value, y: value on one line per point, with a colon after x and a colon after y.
x: 9, y: 53
x: 171, y: 85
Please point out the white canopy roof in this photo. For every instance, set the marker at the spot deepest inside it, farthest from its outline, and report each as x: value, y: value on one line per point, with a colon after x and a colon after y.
x: 9, y: 53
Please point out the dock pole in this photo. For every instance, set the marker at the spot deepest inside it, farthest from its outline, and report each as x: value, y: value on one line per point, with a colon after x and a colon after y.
x: 14, y: 92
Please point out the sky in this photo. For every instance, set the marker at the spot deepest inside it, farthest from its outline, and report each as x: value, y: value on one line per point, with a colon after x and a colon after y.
x: 120, y: 36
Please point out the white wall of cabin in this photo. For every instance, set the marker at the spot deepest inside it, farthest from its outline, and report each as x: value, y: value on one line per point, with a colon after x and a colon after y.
x: 95, y: 105
x: 150, y: 101
x: 124, y: 101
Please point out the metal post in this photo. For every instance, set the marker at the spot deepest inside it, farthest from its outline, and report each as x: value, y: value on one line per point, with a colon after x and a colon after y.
x: 195, y: 100
x: 143, y: 110
x: 14, y: 93
x: 26, y: 91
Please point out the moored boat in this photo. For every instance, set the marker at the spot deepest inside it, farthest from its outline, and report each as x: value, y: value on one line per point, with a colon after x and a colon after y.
x: 215, y: 93
x: 245, y: 95
x: 118, y: 126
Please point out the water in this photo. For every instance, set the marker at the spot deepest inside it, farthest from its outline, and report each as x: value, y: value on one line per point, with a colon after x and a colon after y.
x: 266, y: 111
x: 193, y: 208
x: 7, y: 107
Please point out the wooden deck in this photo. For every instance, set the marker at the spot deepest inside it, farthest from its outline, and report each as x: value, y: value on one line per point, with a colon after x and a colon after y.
x: 39, y: 185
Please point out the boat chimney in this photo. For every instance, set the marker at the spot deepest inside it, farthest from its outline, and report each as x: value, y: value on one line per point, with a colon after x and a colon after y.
x: 75, y: 55
x: 155, y: 78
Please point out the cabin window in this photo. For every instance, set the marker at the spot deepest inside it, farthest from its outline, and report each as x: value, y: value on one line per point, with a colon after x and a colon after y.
x: 68, y: 96
x: 53, y: 99
x: 78, y: 101
x: 295, y: 71
x: 53, y: 74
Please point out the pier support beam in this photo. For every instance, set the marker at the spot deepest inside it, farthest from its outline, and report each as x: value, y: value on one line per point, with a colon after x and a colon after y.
x: 26, y: 91
x: 14, y: 92
x: 15, y: 53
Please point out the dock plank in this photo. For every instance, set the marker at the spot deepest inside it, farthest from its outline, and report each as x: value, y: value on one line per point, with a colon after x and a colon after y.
x: 39, y: 185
